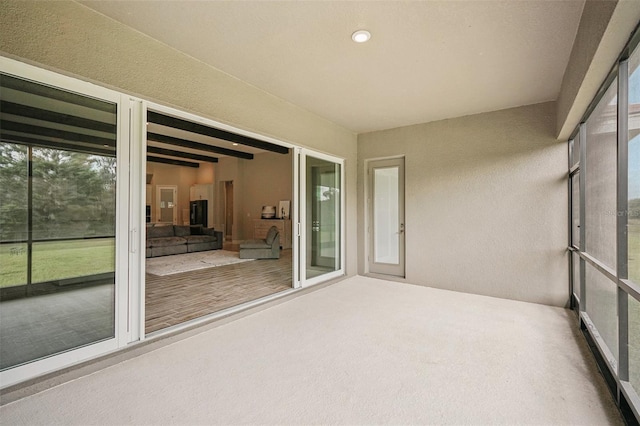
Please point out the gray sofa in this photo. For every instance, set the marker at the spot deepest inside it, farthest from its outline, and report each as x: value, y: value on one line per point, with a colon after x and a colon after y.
x: 269, y: 248
x: 174, y: 239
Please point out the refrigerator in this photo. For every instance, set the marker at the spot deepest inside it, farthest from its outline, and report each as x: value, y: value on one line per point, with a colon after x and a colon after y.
x: 198, y: 213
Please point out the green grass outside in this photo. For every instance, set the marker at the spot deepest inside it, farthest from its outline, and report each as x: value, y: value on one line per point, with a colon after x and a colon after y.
x: 56, y: 260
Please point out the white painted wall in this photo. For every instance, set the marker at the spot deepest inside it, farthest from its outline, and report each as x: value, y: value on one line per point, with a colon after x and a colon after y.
x: 486, y: 203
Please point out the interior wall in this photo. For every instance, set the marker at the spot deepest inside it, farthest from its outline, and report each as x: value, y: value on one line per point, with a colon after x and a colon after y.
x: 268, y: 179
x: 230, y: 169
x: 69, y: 38
x: 265, y: 180
x: 486, y: 203
x: 205, y: 173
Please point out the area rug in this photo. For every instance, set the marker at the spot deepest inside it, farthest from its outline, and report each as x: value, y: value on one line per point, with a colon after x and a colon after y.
x: 177, y: 263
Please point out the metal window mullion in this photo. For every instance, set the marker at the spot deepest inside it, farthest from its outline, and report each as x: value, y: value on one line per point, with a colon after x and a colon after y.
x: 582, y: 186
x: 632, y: 289
x: 605, y: 270
x: 621, y: 223
x: 29, y: 219
x: 570, y: 228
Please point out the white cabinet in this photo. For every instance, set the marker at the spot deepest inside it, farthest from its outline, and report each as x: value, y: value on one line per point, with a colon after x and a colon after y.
x: 261, y: 227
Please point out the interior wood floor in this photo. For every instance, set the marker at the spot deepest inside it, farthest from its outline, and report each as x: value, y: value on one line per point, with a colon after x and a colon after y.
x: 174, y: 299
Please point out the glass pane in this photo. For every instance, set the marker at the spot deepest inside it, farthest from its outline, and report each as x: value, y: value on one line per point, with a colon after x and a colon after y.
x: 633, y: 214
x: 575, y: 260
x: 386, y: 201
x: 602, y: 306
x: 575, y: 210
x: 323, y: 217
x: 13, y: 214
x: 634, y: 343
x: 57, y: 221
x: 73, y: 194
x: 600, y: 180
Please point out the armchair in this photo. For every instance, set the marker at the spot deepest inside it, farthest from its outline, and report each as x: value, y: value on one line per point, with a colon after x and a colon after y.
x: 269, y: 248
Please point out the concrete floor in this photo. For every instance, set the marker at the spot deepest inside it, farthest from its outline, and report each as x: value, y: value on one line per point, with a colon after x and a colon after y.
x: 362, y: 351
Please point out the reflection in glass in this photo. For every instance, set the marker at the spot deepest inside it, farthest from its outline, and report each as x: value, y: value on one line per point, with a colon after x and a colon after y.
x: 59, y: 260
x: 602, y: 306
x: 386, y: 201
x: 13, y: 214
x: 633, y: 213
x: 323, y: 217
x: 600, y: 179
x: 57, y: 221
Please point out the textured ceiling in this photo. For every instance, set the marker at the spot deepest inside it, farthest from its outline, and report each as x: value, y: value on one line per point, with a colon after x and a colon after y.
x: 426, y: 60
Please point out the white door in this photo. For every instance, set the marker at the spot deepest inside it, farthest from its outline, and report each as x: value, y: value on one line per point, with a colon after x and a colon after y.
x: 385, y: 203
x: 166, y: 200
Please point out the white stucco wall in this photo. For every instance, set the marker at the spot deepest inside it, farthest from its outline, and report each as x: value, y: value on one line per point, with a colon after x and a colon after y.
x: 486, y: 203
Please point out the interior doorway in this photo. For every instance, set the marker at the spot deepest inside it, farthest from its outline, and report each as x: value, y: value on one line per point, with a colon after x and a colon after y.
x: 228, y: 210
x: 385, y: 204
x: 166, y: 208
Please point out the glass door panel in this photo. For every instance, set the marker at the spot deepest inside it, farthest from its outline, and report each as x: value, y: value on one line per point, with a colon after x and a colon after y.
x: 385, y: 218
x: 57, y: 221
x: 322, y: 203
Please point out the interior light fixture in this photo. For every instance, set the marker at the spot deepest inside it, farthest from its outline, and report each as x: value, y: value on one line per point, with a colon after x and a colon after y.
x: 361, y: 36
x: 235, y: 144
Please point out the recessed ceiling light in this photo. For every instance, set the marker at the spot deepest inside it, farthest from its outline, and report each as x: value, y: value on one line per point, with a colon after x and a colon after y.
x: 361, y: 36
x: 235, y: 144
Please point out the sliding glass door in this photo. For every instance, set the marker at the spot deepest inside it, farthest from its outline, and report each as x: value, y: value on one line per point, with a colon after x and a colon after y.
x: 58, y: 190
x: 321, y: 207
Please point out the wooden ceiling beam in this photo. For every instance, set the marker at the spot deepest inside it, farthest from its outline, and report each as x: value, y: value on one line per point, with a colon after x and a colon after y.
x: 170, y: 140
x: 201, y: 129
x: 171, y: 152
